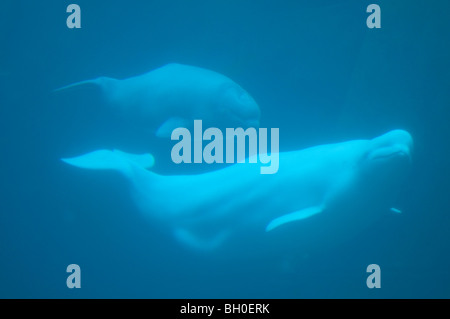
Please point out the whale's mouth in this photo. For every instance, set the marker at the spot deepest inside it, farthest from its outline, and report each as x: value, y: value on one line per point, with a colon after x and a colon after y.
x: 389, y: 155
x: 391, y: 152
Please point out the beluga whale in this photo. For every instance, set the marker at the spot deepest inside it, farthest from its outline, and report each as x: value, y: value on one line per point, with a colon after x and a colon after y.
x: 320, y: 194
x: 174, y: 95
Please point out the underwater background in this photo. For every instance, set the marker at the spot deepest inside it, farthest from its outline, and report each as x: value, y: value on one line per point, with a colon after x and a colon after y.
x: 317, y: 72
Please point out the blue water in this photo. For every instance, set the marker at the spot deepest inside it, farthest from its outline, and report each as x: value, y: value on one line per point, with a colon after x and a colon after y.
x: 317, y: 72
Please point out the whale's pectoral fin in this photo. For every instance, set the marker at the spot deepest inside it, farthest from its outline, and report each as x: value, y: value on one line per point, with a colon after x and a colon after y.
x: 165, y: 130
x: 198, y: 243
x: 298, y: 215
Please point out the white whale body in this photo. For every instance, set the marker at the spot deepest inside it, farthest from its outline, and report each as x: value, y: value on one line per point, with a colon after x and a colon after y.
x: 335, y: 190
x: 174, y: 95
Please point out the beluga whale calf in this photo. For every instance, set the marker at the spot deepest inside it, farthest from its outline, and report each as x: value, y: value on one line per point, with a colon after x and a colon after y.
x: 174, y: 95
x: 320, y: 194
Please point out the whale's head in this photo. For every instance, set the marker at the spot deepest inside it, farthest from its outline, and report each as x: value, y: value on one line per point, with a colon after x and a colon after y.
x: 385, y: 165
x: 238, y: 106
x: 392, y: 147
x: 373, y: 182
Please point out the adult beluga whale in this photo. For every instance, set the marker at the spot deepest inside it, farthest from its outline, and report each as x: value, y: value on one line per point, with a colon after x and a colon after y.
x: 336, y: 190
x: 174, y: 95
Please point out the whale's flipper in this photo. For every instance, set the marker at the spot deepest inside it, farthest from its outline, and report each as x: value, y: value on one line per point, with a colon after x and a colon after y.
x: 165, y: 130
x: 301, y: 214
x: 115, y: 160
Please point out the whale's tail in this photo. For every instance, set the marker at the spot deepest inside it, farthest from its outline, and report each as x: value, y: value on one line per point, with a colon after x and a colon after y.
x: 122, y: 162
x: 102, y: 82
x: 154, y: 193
x: 133, y: 167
